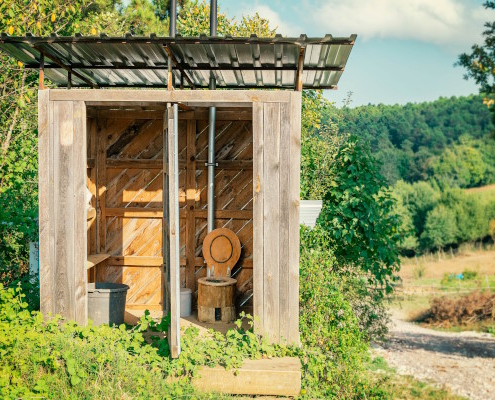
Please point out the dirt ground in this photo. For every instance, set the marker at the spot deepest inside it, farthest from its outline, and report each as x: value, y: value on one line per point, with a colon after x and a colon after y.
x: 463, y: 362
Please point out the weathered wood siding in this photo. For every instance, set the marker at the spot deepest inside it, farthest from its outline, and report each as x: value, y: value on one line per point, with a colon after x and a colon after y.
x: 62, y: 209
x: 277, y: 149
x: 120, y: 158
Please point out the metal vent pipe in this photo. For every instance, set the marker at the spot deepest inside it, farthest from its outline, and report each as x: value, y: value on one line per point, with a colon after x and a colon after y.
x: 211, y: 132
x: 173, y: 18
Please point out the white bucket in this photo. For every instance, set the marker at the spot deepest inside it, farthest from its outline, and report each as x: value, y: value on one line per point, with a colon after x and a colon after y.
x: 185, y: 302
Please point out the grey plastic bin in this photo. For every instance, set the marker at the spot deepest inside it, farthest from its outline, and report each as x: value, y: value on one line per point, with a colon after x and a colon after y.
x: 106, y: 302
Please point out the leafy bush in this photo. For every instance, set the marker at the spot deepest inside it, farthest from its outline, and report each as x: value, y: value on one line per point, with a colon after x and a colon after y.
x: 334, y: 349
x: 61, y: 359
x: 469, y: 274
x: 367, y: 302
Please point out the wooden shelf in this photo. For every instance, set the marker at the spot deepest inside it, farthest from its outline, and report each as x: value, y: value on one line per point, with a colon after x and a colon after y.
x: 94, y: 259
x: 91, y: 214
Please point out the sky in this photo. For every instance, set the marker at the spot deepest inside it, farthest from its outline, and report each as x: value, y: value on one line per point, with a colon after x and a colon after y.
x: 405, y: 51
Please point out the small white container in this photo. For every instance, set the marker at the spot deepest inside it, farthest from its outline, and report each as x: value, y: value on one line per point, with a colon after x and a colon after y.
x: 185, y: 302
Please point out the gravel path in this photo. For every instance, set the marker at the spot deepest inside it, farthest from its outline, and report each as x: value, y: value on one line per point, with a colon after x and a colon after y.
x: 464, y: 362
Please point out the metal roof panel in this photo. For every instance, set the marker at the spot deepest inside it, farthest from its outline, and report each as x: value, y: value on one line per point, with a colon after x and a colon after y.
x: 142, y: 61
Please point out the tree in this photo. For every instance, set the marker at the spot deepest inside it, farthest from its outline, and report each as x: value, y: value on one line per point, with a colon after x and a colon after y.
x: 440, y: 228
x: 480, y: 63
x: 358, y: 213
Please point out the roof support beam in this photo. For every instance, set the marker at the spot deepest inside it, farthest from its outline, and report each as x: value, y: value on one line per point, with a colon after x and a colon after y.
x: 179, y: 67
x: 42, y: 71
x: 57, y: 61
x: 300, y: 66
x: 197, y: 67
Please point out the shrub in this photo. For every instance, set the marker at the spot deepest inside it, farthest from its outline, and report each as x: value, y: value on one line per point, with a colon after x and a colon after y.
x: 334, y: 349
x: 61, y: 359
x: 367, y: 301
x: 468, y: 309
x: 469, y: 274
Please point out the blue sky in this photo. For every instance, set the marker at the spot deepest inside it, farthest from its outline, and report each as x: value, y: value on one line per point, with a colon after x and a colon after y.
x: 405, y: 49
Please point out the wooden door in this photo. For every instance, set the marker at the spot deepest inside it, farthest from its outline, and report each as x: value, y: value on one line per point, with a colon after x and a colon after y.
x: 171, y: 255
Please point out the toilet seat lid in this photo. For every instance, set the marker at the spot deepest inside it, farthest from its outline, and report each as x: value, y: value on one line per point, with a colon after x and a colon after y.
x: 222, y: 249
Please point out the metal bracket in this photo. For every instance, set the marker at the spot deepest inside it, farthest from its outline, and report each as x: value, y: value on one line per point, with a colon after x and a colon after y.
x: 211, y: 164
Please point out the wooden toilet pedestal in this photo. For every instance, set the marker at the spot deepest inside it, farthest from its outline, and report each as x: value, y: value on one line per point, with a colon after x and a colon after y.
x: 216, y: 293
x: 216, y: 299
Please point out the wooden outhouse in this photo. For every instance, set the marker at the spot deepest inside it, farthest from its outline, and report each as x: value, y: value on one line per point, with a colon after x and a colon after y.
x: 122, y: 172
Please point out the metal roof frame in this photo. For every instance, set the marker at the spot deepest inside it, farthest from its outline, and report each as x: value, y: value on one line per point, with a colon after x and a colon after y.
x: 236, y: 63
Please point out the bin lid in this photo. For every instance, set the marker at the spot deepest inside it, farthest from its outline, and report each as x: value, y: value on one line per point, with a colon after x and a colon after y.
x: 185, y: 290
x: 107, y: 287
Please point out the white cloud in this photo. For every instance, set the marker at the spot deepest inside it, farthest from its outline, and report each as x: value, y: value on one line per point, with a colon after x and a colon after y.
x: 445, y: 22
x: 284, y: 28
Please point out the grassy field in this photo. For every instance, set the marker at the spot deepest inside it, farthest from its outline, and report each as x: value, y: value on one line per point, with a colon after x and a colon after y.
x: 426, y: 277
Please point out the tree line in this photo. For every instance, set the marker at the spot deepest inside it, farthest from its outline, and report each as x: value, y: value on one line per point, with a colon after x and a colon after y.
x: 447, y: 140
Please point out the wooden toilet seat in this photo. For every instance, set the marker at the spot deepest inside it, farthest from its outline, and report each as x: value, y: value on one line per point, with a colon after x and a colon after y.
x: 221, y: 249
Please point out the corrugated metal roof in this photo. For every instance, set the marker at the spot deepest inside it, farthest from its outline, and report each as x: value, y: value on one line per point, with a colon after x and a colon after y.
x: 130, y: 61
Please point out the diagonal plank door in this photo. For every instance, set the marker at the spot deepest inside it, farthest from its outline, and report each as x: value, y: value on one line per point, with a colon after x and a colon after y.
x: 171, y: 255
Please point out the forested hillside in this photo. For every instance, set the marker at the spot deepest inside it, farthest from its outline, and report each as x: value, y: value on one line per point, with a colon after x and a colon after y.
x: 430, y: 153
x: 447, y: 140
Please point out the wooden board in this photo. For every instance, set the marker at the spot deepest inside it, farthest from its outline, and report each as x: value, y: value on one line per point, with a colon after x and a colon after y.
x: 46, y: 211
x: 173, y: 229
x: 201, y: 97
x: 271, y: 217
x: 95, y: 259
x: 258, y: 239
x: 63, y: 213
x: 275, y: 377
x: 294, y: 203
x: 276, y: 151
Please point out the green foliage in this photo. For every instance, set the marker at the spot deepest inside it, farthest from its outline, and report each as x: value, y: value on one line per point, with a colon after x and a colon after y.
x: 440, y: 228
x: 461, y: 166
x: 367, y: 302
x: 70, y: 361
x: 433, y: 218
x: 480, y: 63
x: 413, y: 141
x: 358, y: 213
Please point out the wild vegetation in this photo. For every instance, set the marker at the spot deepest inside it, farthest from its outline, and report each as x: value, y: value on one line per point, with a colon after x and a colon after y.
x: 349, y: 262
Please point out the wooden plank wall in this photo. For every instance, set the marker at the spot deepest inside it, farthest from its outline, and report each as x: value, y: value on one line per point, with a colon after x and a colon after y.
x: 128, y: 163
x: 277, y: 149
x: 129, y: 205
x: 62, y: 208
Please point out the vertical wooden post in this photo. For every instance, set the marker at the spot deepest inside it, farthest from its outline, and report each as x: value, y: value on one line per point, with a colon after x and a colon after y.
x: 166, y: 218
x: 80, y: 212
x: 63, y: 131
x: 174, y: 266
x: 271, y: 217
x: 101, y: 185
x: 294, y: 204
x: 41, y: 77
x: 285, y: 161
x: 92, y: 234
x: 191, y: 206
x: 63, y: 212
x: 300, y: 66
x: 258, y: 193
x: 46, y: 210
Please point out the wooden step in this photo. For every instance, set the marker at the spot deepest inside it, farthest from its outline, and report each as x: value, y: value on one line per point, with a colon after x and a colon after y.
x: 275, y: 377
x: 94, y: 259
